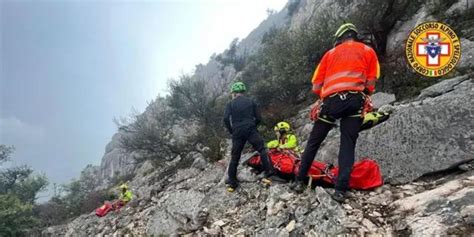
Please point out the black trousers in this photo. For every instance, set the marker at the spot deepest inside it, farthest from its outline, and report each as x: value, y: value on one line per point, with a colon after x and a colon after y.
x: 239, y: 137
x: 333, y: 108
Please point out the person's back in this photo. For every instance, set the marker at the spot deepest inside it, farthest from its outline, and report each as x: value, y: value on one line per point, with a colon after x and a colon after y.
x: 241, y: 118
x: 350, y: 59
x: 243, y: 112
x: 350, y: 66
x: 342, y: 79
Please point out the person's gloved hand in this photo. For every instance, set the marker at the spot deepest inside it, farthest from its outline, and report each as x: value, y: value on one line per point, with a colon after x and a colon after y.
x: 366, y: 91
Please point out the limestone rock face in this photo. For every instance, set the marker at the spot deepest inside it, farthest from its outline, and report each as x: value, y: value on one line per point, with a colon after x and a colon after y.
x: 380, y: 99
x: 425, y: 135
x: 438, y: 210
x: 252, y: 43
x: 431, y: 133
x: 398, y: 35
x: 442, y: 87
x: 116, y: 161
x: 364, y: 11
x: 178, y: 208
x: 195, y: 202
x: 467, y: 56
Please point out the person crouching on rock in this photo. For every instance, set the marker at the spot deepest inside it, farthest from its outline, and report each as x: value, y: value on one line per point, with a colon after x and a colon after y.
x: 241, y: 118
x: 124, y: 197
x: 344, y: 74
x: 285, y: 138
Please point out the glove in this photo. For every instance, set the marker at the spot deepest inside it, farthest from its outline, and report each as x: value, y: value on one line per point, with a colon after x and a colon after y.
x: 366, y: 91
x: 315, y: 110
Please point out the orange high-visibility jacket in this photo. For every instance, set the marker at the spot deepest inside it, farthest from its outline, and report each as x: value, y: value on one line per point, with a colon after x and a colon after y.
x: 350, y: 66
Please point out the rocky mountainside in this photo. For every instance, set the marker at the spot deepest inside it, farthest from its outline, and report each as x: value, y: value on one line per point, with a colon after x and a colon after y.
x: 433, y: 132
x: 188, y: 196
x: 117, y: 162
x: 425, y: 151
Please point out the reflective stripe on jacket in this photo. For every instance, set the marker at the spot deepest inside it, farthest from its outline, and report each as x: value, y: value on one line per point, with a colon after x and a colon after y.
x: 350, y: 66
x: 126, y: 197
x: 289, y: 142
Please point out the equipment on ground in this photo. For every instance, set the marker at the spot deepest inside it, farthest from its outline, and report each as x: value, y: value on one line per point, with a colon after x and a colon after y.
x: 374, y: 118
x: 365, y: 173
x: 104, y: 209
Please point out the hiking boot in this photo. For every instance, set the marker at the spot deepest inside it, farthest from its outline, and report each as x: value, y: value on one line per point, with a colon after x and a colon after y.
x: 231, y: 187
x: 298, y: 187
x: 272, y: 177
x: 339, y: 196
x: 275, y: 178
x: 266, y: 181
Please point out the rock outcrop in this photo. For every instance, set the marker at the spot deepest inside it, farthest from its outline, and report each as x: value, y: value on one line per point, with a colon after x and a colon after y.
x: 116, y: 161
x: 439, y: 210
x: 361, y: 11
x: 194, y: 202
x: 466, y: 64
x: 431, y: 133
x: 252, y: 43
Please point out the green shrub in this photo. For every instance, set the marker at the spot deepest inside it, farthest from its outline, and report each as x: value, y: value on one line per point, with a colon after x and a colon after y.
x: 279, y: 75
x: 18, y: 190
x: 151, y: 133
x: 16, y: 216
x: 195, y: 100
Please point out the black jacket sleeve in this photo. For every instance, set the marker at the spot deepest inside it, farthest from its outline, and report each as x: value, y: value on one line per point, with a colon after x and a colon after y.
x: 227, y: 114
x: 258, y: 116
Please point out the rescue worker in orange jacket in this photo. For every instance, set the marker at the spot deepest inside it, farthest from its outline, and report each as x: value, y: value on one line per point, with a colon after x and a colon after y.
x: 345, y: 72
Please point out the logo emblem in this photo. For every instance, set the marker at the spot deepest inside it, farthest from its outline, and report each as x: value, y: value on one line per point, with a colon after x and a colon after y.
x: 433, y: 49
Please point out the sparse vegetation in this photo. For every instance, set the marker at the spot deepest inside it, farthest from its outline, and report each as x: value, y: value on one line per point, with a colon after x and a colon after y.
x: 151, y: 133
x: 293, y: 6
x: 280, y: 74
x: 197, y: 101
x: 278, y: 77
x: 79, y: 196
x: 18, y: 190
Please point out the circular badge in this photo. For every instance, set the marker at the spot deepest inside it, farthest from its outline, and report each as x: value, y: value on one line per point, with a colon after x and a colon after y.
x: 433, y: 49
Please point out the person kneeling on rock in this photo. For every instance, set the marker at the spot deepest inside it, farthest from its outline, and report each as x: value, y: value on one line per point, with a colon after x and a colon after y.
x: 124, y: 198
x: 285, y: 138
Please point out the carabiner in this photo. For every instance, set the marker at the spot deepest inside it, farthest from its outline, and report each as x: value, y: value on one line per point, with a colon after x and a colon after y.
x: 343, y: 96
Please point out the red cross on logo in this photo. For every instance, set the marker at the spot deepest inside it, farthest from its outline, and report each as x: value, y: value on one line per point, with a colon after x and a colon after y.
x: 422, y: 49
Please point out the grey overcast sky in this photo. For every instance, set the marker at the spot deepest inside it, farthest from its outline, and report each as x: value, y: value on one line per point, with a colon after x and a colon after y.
x: 67, y: 68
